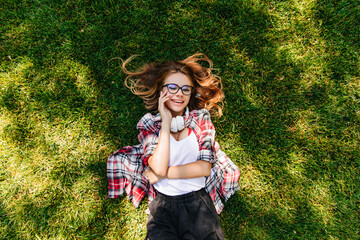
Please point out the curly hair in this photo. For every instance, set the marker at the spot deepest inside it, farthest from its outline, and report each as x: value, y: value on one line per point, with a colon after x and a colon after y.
x: 148, y: 80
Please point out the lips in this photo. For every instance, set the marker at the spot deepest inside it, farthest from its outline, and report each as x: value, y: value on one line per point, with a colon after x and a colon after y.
x: 177, y: 101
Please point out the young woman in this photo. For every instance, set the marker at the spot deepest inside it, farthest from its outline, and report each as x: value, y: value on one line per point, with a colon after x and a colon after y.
x: 178, y: 163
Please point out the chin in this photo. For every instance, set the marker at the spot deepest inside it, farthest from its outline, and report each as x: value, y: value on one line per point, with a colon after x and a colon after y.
x: 175, y: 108
x: 177, y: 111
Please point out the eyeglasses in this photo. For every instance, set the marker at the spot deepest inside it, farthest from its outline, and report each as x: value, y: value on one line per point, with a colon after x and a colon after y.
x: 174, y: 88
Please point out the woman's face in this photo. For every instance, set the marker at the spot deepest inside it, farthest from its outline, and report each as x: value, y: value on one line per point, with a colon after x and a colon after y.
x: 177, y: 101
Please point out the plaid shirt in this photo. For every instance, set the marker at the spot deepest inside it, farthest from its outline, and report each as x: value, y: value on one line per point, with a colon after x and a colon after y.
x: 126, y: 166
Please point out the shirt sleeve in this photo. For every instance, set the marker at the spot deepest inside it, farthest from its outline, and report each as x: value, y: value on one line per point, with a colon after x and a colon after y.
x: 206, y: 137
x: 149, y: 141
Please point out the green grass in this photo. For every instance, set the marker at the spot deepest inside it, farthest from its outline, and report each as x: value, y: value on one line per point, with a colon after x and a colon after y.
x: 291, y: 76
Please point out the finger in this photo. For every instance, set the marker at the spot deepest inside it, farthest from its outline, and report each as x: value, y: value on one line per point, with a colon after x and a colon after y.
x: 163, y: 99
x: 166, y: 96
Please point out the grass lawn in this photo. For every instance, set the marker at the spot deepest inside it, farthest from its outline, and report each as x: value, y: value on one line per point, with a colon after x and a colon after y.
x: 291, y: 77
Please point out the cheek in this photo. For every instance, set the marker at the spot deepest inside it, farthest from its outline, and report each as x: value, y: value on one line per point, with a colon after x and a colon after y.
x: 167, y: 103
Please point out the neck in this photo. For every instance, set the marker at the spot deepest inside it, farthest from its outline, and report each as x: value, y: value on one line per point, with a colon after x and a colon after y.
x: 175, y: 114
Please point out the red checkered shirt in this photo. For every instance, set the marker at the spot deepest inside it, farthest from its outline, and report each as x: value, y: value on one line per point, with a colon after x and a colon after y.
x: 126, y: 166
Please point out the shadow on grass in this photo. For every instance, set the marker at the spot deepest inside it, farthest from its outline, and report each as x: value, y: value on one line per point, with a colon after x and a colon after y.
x: 7, y: 223
x: 269, y: 225
x: 284, y: 119
x: 72, y: 84
x: 341, y: 30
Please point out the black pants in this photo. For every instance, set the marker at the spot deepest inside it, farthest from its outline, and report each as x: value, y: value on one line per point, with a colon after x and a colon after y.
x: 188, y: 216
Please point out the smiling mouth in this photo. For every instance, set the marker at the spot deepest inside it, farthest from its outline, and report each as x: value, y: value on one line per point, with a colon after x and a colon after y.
x: 175, y: 101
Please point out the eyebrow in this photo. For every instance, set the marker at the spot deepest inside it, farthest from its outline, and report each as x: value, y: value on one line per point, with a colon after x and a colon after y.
x: 178, y: 84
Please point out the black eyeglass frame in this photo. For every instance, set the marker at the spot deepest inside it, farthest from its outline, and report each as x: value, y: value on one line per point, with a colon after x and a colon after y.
x: 178, y: 87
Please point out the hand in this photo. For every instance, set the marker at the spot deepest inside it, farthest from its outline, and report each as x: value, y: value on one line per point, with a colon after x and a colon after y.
x: 165, y: 113
x: 151, y: 176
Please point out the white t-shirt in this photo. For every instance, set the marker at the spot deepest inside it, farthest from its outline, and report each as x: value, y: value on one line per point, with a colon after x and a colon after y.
x: 181, y: 152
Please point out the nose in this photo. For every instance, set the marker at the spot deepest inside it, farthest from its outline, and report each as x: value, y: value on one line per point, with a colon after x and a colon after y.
x: 179, y: 93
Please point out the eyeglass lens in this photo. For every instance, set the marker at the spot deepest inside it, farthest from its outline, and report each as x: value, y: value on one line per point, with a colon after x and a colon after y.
x: 174, y: 88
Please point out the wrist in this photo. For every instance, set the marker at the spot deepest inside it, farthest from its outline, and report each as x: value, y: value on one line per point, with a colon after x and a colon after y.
x: 165, y: 126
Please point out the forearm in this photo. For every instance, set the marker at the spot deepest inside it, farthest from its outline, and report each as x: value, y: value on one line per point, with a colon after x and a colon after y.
x: 190, y: 170
x: 159, y: 161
